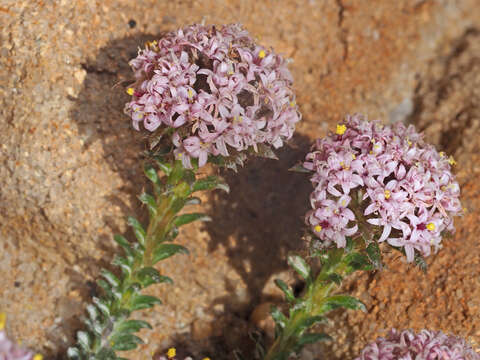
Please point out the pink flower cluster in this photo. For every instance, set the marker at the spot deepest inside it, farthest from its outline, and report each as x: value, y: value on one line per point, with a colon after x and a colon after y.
x: 11, y: 351
x: 427, y: 345
x: 216, y: 89
x: 379, y: 180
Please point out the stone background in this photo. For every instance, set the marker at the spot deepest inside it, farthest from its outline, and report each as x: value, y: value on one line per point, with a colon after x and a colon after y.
x: 69, y: 172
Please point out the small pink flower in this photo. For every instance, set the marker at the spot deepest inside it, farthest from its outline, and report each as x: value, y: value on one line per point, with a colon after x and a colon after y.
x: 400, y: 185
x: 11, y: 351
x: 215, y: 85
x: 426, y: 345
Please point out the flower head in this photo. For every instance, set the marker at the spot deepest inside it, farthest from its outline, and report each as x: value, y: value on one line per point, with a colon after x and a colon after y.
x: 384, y: 181
x: 215, y: 90
x: 11, y: 351
x: 428, y: 345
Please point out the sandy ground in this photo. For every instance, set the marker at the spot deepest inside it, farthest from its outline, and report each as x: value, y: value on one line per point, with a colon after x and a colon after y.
x: 70, y: 169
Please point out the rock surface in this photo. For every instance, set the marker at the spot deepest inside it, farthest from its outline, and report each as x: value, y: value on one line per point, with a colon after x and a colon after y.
x: 70, y: 169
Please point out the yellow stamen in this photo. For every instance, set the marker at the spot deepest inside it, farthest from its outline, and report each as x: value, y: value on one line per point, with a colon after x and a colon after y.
x: 318, y: 228
x: 171, y: 353
x: 261, y: 54
x: 353, y: 156
x: 341, y: 129
x: 3, y: 320
x: 387, y: 194
x: 441, y: 153
x: 206, y: 358
x: 130, y: 91
x: 112, y: 343
x: 431, y: 226
x: 180, y: 155
x: 451, y: 160
x: 344, y: 202
x: 292, y: 103
x: 230, y: 72
x: 190, y: 93
x: 38, y: 357
x: 409, y: 142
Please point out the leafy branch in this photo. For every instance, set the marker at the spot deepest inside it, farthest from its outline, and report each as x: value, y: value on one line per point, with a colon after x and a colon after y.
x: 108, y: 325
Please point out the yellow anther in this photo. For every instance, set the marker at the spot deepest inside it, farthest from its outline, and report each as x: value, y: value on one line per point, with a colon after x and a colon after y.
x: 171, y: 353
x: 292, y: 103
x: 387, y: 194
x: 341, y: 129
x: 409, y: 142
x: 130, y: 91
x: 180, y: 155
x: 431, y: 226
x: 443, y: 188
x: 451, y: 160
x: 230, y: 72
x: 3, y: 320
x: 38, y: 357
x: 190, y: 93
x: 342, y: 164
x: 376, y: 146
x: 344, y: 202
x: 318, y: 228
x: 206, y: 358
x: 261, y: 54
x: 371, y: 152
x: 441, y: 153
x: 112, y: 343
x: 353, y: 156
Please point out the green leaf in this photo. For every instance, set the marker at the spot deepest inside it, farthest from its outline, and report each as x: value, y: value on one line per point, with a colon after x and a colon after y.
x: 112, y: 279
x: 176, y: 174
x: 346, y: 301
x: 177, y: 204
x: 300, y: 266
x: 149, y: 275
x: 140, y: 302
x: 334, y: 277
x: 149, y: 200
x: 137, y: 229
x: 164, y: 251
x: 307, y: 323
x: 209, y: 183
x: 311, y: 338
x: 102, y: 306
x: 120, y: 240
x: 92, y: 312
x: 286, y: 290
x: 73, y: 353
x: 280, y: 319
x: 106, y: 354
x: 131, y: 326
x: 358, y: 261
x: 374, y: 254
x: 124, y: 264
x: 151, y: 173
x: 165, y: 167
x: 125, y: 342
x: 83, y: 339
x: 188, y: 218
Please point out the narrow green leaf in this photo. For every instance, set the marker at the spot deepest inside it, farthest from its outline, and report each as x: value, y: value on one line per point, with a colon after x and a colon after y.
x: 209, y: 183
x: 131, y: 326
x: 164, y: 251
x: 107, y: 288
x: 125, y: 342
x: 102, y: 306
x: 312, y: 338
x: 124, y: 264
x: 151, y: 173
x: 106, y: 354
x: 334, y: 277
x: 83, y: 340
x: 108, y: 275
x: 165, y: 167
x: 374, y: 254
x: 140, y: 302
x: 177, y: 204
x: 307, y: 323
x: 346, y: 301
x: 95, y: 327
x: 149, y: 275
x: 92, y: 312
x: 280, y: 319
x: 73, y: 353
x: 188, y: 218
x: 286, y: 290
x: 420, y: 262
x: 176, y: 174
x: 149, y: 201
x: 358, y: 261
x: 137, y: 229
x: 300, y: 266
x: 120, y: 240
